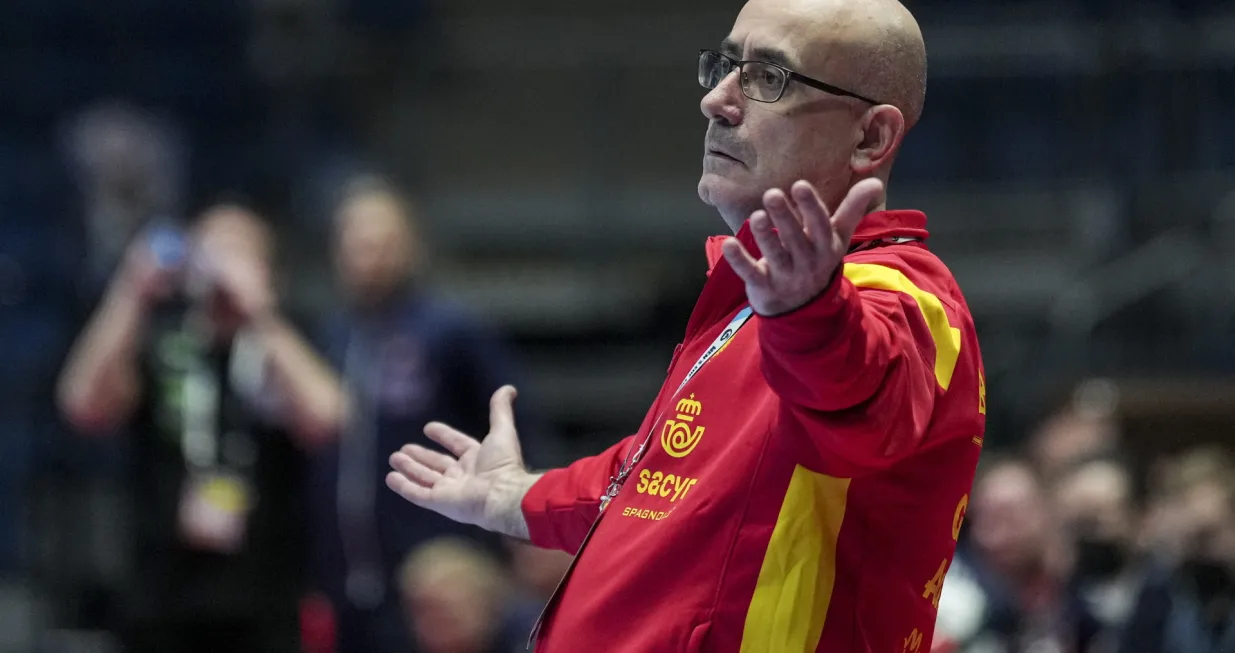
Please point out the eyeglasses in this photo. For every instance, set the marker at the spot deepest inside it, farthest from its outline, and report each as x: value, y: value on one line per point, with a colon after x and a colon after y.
x: 761, y: 81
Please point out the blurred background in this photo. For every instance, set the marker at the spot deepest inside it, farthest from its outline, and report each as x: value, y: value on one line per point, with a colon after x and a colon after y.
x: 539, y: 160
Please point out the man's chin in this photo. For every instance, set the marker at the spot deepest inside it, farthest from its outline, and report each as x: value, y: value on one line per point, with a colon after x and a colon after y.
x: 716, y: 190
x: 729, y: 199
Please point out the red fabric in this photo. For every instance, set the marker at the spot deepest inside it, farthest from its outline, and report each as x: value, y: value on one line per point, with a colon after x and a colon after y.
x: 844, y: 386
x: 944, y: 646
x: 318, y: 628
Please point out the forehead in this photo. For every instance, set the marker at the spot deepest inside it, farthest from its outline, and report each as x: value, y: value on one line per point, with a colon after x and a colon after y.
x: 233, y: 228
x: 1097, y: 481
x: 370, y: 212
x: 789, y: 32
x: 1006, y: 484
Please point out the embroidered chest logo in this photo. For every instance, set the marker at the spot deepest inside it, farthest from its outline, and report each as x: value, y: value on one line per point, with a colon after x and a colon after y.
x: 677, y: 436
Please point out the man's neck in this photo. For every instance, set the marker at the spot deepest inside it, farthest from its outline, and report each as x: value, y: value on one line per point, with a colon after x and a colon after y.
x: 734, y: 220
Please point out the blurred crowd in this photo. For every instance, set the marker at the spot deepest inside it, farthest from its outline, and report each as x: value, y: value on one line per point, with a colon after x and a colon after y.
x: 257, y: 441
x: 1071, y: 546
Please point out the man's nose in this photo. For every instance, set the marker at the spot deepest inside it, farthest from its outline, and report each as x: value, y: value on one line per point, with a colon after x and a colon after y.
x: 726, y: 102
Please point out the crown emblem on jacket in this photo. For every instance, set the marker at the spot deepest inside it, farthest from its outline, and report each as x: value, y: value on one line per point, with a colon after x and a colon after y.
x: 689, y: 409
x: 677, y: 437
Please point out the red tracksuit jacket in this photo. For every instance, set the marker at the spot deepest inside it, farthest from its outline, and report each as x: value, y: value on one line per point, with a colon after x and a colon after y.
x: 803, y: 491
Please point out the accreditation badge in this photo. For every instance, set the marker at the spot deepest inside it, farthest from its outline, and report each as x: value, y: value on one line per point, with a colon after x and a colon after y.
x: 214, y: 511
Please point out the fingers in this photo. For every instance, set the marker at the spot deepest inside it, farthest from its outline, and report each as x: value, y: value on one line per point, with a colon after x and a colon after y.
x: 745, y: 265
x: 434, y: 460
x: 788, y: 226
x: 502, y: 410
x: 770, y: 247
x: 456, y: 442
x: 853, y: 208
x: 417, y: 494
x: 815, y: 215
x: 413, y: 470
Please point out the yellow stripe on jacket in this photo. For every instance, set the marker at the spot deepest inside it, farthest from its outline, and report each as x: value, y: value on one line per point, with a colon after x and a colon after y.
x: 790, y: 604
x: 947, y: 338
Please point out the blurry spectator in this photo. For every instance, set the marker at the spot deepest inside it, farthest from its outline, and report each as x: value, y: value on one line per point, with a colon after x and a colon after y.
x: 129, y: 166
x: 1071, y: 435
x: 1167, y: 525
x: 1095, y: 503
x: 190, y: 352
x: 406, y: 355
x: 1015, y: 569
x: 1188, y: 606
x: 455, y: 596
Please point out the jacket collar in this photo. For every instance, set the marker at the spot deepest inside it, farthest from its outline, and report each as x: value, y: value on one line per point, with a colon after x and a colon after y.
x: 874, y: 226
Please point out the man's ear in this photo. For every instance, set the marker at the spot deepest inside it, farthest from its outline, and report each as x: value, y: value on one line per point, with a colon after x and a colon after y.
x: 883, y: 129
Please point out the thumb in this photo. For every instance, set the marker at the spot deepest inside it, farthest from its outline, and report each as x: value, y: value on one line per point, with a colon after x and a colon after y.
x: 502, y: 410
x: 860, y: 198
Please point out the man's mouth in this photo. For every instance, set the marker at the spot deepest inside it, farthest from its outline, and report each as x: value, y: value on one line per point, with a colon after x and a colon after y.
x: 722, y: 155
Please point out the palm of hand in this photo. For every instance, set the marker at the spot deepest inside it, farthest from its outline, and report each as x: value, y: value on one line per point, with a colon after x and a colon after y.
x: 468, y: 481
x: 460, y: 485
x: 778, y: 291
x: 802, y: 245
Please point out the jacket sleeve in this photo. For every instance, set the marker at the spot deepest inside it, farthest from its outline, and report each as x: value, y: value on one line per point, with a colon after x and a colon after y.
x: 858, y: 369
x: 561, y: 507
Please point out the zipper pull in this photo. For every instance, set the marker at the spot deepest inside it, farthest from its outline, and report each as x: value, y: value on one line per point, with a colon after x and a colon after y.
x: 611, y: 491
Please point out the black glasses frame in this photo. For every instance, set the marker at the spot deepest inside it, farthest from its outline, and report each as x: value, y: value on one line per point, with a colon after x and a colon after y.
x: 738, y: 65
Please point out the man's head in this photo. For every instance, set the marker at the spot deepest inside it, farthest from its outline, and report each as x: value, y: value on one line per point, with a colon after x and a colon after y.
x: 1095, y: 499
x: 1201, y: 497
x: 1009, y: 518
x: 871, y: 48
x: 233, y: 229
x: 453, y: 593
x: 377, y: 246
x: 228, y: 235
x: 1070, y: 435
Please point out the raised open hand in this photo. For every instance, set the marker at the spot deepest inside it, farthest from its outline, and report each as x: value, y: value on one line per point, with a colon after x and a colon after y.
x: 804, y: 250
x: 471, y: 485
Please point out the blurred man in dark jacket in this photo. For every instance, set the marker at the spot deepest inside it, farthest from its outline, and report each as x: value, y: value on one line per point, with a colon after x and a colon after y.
x: 407, y: 356
x: 1096, y: 504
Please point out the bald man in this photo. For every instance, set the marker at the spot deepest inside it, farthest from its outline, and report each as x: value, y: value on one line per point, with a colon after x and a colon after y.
x: 801, y: 479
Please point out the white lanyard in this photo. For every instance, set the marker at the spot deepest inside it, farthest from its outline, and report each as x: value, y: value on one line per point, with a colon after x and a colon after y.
x: 201, y: 399
x: 628, y: 464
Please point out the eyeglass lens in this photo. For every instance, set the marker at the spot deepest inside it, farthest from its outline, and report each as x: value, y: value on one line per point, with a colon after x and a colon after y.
x: 760, y: 81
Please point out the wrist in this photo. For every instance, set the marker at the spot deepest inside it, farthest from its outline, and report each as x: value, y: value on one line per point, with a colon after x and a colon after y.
x: 813, y: 324
x: 504, y: 509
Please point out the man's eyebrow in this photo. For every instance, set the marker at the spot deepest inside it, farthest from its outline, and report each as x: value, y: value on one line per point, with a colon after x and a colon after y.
x: 771, y: 55
x: 732, y: 48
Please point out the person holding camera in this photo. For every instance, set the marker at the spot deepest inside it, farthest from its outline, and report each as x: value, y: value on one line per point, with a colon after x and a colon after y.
x: 189, y: 353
